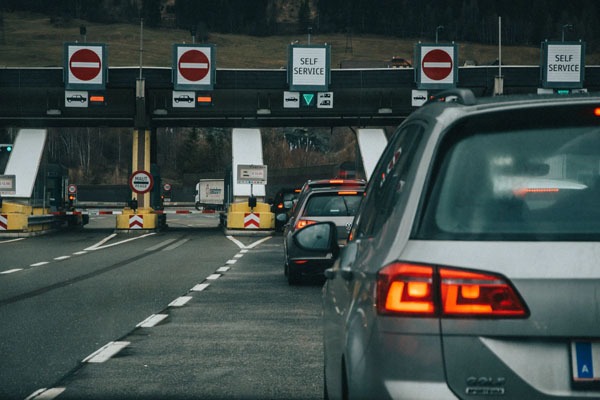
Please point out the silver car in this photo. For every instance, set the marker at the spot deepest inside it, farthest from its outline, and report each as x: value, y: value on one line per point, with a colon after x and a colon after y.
x: 472, y: 270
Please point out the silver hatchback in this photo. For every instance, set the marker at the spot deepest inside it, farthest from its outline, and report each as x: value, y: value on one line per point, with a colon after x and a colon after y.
x: 473, y: 266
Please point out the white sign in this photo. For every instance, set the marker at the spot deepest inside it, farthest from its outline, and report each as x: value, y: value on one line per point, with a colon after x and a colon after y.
x: 182, y: 99
x: 419, y: 97
x: 85, y: 66
x: 325, y: 100
x: 141, y: 182
x: 72, y: 189
x: 7, y: 184
x: 252, y: 174
x: 564, y: 62
x: 437, y: 64
x: 309, y: 69
x: 76, y: 98
x: 291, y: 99
x: 193, y: 67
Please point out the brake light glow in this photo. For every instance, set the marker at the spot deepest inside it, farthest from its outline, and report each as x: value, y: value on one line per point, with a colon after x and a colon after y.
x: 597, y: 111
x: 280, y: 206
x: 420, y: 290
x: 304, y: 222
x: 347, y: 193
x: 524, y: 191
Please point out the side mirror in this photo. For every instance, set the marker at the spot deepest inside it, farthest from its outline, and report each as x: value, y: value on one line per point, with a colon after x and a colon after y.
x: 319, y: 237
x: 287, y: 204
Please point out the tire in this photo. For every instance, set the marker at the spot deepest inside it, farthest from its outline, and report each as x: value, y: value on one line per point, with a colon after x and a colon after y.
x: 293, y: 277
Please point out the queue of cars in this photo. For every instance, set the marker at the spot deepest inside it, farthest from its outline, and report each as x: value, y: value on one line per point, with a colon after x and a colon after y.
x: 472, y: 268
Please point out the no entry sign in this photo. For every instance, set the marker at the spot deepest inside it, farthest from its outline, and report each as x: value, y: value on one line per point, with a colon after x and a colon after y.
x: 437, y: 66
x: 193, y: 67
x: 85, y: 66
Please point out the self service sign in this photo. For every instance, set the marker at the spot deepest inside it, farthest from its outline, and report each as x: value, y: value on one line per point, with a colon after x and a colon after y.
x: 309, y: 67
x: 563, y: 64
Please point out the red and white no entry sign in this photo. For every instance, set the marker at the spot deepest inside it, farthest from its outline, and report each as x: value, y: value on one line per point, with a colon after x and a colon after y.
x: 437, y: 64
x: 193, y: 65
x: 85, y: 64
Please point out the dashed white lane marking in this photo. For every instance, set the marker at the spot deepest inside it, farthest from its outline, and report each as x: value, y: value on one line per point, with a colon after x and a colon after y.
x: 200, y: 287
x: 10, y: 271
x: 213, y: 277
x: 62, y: 258
x: 239, y: 255
x: 46, y: 394
x: 152, y: 320
x: 223, y: 269
x: 106, y: 352
x: 243, y: 251
x: 230, y: 262
x: 39, y: 264
x: 80, y: 253
x: 180, y: 301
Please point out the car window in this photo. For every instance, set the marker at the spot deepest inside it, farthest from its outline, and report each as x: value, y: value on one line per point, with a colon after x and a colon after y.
x: 332, y: 205
x: 528, y: 183
x: 390, y: 181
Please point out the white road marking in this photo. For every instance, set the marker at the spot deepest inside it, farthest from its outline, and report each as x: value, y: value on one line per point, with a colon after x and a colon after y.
x: 237, y: 242
x: 39, y: 264
x: 180, y: 301
x: 152, y: 320
x: 175, y: 245
x: 12, y: 240
x: 106, y: 352
x: 99, y: 245
x: 10, y: 271
x: 223, y: 269
x: 253, y: 245
x: 231, y: 262
x: 46, y: 394
x: 200, y: 287
x: 239, y: 255
x: 80, y: 253
x: 213, y: 277
x: 62, y: 258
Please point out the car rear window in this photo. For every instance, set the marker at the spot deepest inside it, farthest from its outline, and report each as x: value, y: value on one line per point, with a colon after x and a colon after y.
x: 332, y: 205
x: 529, y: 184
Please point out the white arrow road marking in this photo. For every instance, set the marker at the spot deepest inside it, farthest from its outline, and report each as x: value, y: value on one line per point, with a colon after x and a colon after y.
x: 250, y: 246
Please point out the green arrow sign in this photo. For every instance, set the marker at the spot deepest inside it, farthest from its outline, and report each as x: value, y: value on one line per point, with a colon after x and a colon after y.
x: 308, y: 98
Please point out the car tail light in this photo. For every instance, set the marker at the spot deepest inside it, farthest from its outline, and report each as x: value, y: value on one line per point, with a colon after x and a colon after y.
x: 304, y: 222
x: 347, y: 193
x: 427, y: 291
x: 280, y: 206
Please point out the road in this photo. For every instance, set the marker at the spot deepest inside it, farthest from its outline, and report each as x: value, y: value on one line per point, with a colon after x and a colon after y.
x: 188, y: 312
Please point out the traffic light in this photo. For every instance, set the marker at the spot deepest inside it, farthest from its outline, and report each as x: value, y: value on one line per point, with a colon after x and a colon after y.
x: 71, y: 200
x: 6, y: 148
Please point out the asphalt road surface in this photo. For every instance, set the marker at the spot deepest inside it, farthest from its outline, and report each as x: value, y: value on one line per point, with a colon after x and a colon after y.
x: 188, y: 312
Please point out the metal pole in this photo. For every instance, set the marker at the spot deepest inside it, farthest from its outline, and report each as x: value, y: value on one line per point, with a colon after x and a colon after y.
x: 499, y: 46
x: 141, y: 43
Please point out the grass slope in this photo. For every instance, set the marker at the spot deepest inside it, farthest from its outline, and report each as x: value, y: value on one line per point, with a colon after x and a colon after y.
x: 28, y: 40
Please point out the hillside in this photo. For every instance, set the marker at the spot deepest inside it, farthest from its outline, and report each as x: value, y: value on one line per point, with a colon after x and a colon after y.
x: 31, y: 40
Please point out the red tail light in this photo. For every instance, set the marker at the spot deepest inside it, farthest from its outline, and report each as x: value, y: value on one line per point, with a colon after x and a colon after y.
x: 304, y: 222
x: 427, y: 291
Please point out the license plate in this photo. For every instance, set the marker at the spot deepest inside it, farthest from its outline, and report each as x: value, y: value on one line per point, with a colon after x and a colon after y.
x: 585, y: 362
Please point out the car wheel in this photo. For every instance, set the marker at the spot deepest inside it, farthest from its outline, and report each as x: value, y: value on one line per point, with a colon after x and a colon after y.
x: 293, y: 276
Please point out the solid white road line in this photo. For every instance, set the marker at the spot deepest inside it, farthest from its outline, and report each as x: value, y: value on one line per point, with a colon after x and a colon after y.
x: 100, y: 244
